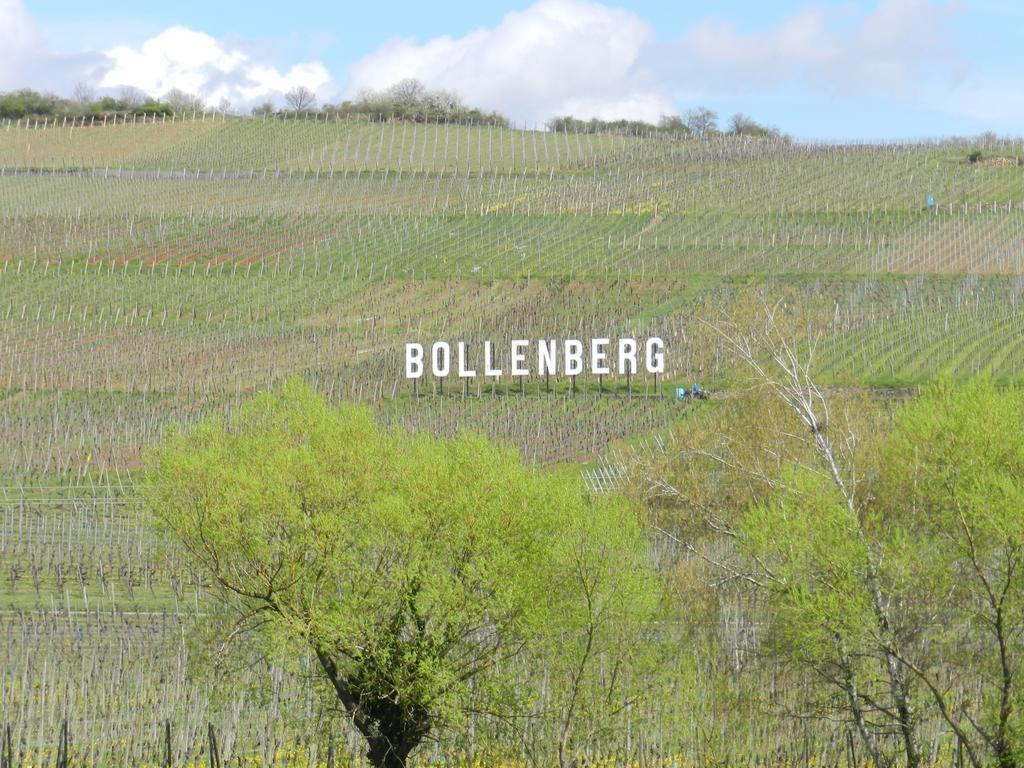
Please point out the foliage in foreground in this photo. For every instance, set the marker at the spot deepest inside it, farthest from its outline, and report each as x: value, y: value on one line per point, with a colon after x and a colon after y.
x: 410, y: 566
x: 887, y: 543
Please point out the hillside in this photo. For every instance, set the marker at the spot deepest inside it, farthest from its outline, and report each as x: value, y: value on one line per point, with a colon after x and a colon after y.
x: 155, y: 272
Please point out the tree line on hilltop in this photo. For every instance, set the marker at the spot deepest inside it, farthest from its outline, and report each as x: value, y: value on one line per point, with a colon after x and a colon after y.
x: 408, y: 100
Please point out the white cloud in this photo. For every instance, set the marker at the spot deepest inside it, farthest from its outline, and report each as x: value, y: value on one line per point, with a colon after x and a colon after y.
x: 195, y: 62
x: 555, y: 57
x: 588, y: 59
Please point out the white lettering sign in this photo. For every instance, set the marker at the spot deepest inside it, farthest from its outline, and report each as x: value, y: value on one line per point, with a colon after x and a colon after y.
x: 544, y: 357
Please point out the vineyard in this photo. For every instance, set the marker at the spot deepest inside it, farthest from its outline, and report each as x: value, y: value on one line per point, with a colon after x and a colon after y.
x: 156, y: 271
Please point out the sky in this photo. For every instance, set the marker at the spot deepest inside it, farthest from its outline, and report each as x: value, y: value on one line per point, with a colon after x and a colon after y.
x: 871, y: 69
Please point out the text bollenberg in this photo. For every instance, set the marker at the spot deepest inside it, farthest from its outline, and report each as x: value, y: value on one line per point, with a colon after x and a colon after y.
x: 543, y: 357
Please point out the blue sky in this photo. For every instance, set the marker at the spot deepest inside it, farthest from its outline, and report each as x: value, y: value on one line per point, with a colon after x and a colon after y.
x: 873, y: 69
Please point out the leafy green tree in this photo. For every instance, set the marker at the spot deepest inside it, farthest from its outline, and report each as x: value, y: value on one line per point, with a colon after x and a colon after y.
x: 601, y: 654
x: 28, y: 103
x: 784, y: 490
x: 918, y: 578
x: 12, y: 107
x: 410, y: 567
x: 954, y: 472
x: 844, y: 573
x: 153, y: 108
x: 835, y: 580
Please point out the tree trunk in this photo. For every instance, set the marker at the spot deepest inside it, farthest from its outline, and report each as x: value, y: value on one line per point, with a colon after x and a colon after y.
x: 383, y: 753
x: 850, y: 687
x: 898, y: 682
x: 1005, y: 756
x: 905, y: 716
x: 392, y: 730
